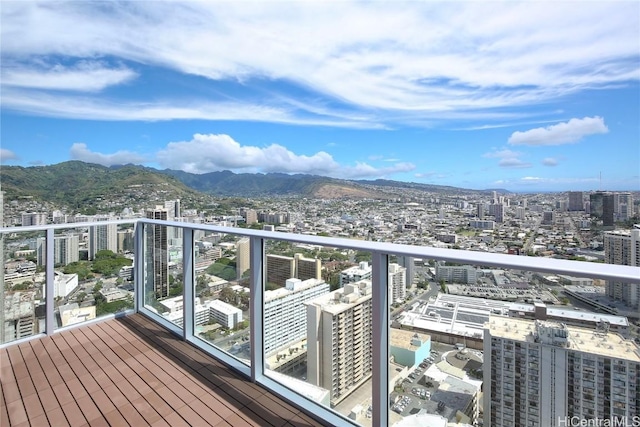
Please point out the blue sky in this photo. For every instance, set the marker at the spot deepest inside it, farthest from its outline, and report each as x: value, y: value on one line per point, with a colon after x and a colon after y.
x: 526, y: 96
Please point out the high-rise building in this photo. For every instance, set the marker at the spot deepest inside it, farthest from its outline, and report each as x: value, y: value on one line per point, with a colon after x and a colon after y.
x: 547, y: 217
x: 544, y: 373
x: 307, y: 268
x: 624, y: 206
x: 34, y: 218
x: 623, y: 248
x: 243, y: 256
x: 595, y: 204
x: 397, y: 283
x: 498, y: 212
x: 250, y: 216
x: 102, y: 237
x: 66, y: 249
x: 608, y: 209
x: 480, y: 211
x: 125, y: 241
x: 173, y: 209
x: 339, y: 340
x: 576, y: 201
x: 280, y: 268
x: 157, y: 254
x: 409, y: 264
x: 285, y: 313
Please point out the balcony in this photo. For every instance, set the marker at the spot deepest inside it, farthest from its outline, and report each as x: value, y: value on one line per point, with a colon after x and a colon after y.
x: 142, y: 367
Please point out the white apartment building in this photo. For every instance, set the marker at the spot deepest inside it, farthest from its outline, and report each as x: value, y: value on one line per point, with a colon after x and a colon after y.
x: 339, y: 340
x: 66, y: 249
x: 34, y: 218
x: 63, y: 284
x: 623, y: 247
x: 545, y: 374
x: 285, y: 313
x: 225, y: 314
x: 397, y: 283
x: 354, y: 274
x: 102, y: 237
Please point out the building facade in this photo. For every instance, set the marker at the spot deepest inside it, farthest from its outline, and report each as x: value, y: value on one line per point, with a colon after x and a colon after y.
x: 545, y: 374
x: 157, y: 260
x: 623, y: 248
x: 339, y: 340
x: 285, y: 313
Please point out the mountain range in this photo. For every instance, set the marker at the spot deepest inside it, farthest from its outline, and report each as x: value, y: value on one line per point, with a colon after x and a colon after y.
x: 76, y: 182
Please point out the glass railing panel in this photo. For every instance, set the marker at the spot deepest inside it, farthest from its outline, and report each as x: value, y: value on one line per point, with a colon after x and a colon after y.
x: 23, y: 304
x: 163, y: 272
x: 410, y: 352
x: 318, y: 325
x: 221, y: 296
x: 93, y: 272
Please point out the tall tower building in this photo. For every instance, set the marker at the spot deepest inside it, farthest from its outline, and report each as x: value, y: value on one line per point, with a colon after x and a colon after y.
x: 608, y: 209
x: 623, y: 248
x: 173, y: 209
x: 102, y: 237
x: 397, y: 283
x: 66, y: 249
x: 34, y: 218
x: 125, y: 241
x: 624, y: 206
x: 546, y: 374
x: 480, y: 210
x: 409, y: 264
x: 339, y: 340
x: 595, y: 204
x: 243, y: 256
x: 285, y: 313
x: 157, y: 254
x: 498, y: 210
x: 576, y: 201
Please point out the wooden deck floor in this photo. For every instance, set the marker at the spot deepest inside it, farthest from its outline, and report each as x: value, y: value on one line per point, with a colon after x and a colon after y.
x: 130, y: 371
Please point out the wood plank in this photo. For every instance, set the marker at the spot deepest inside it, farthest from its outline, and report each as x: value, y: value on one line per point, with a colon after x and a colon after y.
x: 130, y: 371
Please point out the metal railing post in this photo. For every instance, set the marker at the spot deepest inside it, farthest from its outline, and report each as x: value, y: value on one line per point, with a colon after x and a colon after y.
x: 138, y: 273
x: 380, y: 313
x: 50, y: 322
x: 256, y: 308
x: 187, y: 280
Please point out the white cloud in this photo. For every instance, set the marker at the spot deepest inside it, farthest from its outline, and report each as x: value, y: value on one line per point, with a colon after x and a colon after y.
x: 550, y: 161
x: 6, y: 155
x: 513, y: 163
x: 210, y: 152
x: 508, y: 158
x: 562, y: 133
x: 418, y: 63
x: 83, y: 76
x: 79, y: 151
x: 87, y: 108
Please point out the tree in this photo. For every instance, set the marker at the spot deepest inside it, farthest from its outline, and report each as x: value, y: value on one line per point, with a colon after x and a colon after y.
x: 81, y: 297
x: 227, y: 295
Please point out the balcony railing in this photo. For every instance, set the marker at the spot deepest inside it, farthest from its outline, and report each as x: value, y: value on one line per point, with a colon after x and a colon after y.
x: 150, y: 236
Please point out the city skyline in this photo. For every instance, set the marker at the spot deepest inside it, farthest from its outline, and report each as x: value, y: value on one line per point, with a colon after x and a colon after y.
x: 528, y: 97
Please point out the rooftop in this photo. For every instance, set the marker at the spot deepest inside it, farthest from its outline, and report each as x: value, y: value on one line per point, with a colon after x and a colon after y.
x: 578, y: 339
